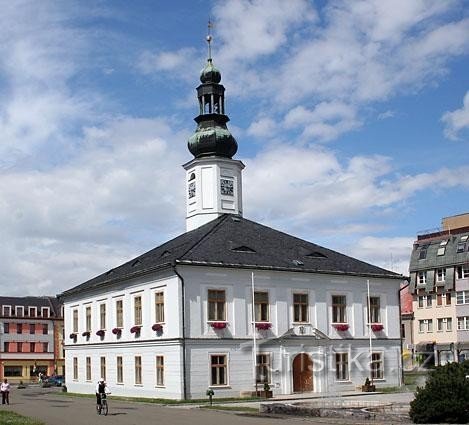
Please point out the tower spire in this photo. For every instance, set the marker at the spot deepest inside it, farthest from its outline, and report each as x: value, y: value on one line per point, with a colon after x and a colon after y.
x: 213, y: 177
x: 209, y: 39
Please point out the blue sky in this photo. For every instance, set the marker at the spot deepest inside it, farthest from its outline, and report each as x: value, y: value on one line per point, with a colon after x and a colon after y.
x: 352, y: 119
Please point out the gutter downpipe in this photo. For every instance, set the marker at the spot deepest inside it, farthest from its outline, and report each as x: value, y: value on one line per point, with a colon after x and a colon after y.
x: 400, y: 332
x: 183, y: 319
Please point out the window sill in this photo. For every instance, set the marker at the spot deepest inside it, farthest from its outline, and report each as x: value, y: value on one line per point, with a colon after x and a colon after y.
x: 345, y: 381
x: 221, y: 387
x: 119, y: 383
x: 138, y: 385
x: 161, y: 387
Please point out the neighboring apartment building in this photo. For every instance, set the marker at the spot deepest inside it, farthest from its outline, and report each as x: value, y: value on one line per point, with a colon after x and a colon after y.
x: 231, y: 304
x: 439, y: 272
x: 31, y: 338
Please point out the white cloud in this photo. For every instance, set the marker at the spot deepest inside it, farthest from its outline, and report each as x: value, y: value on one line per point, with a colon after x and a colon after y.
x: 164, y: 61
x: 263, y: 127
x: 309, y: 186
x: 457, y: 121
x: 327, y: 121
x: 386, y: 114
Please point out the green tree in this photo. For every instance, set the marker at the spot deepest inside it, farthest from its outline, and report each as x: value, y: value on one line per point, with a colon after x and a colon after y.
x: 445, y: 397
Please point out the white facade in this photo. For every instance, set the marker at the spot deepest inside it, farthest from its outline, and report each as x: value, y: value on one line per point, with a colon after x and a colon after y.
x: 213, y: 188
x: 188, y: 352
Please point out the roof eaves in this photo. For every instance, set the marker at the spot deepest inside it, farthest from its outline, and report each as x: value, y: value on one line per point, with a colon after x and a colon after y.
x: 289, y: 269
x: 109, y: 282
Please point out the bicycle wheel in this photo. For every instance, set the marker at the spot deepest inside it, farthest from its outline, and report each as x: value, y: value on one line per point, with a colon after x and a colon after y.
x: 104, y: 408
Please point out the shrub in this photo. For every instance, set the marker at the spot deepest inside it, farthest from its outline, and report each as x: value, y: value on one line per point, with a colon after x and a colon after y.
x: 445, y: 397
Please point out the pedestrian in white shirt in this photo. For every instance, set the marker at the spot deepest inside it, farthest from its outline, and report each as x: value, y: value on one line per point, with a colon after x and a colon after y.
x: 5, y: 390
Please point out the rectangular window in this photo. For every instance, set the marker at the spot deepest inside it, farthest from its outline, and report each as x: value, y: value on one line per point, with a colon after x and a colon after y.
x: 159, y: 307
x: 160, y: 371
x: 402, y: 330
x: 341, y: 367
x: 429, y: 300
x: 439, y: 299
x: 138, y: 370
x: 75, y: 368
x: 461, y: 247
x: 6, y: 310
x: 19, y: 328
x: 32, y: 311
x: 374, y: 306
x: 440, y: 275
x: 88, y: 368
x: 440, y: 324
x: 45, y: 312
x: 463, y: 323
x: 263, y: 369
x: 422, y: 278
x: 6, y: 328
x: 102, y: 316
x: 449, y: 324
x: 462, y: 272
x: 88, y: 319
x: 377, y: 370
x: 430, y: 325
x: 261, y: 306
x: 462, y: 297
x: 45, y: 347
x: 120, y: 371
x: 12, y: 371
x: 219, y: 367
x: 75, y: 320
x: 138, y: 310
x: 45, y: 329
x: 19, y: 347
x: 103, y: 367
x: 119, y: 314
x: 423, y: 252
x: 32, y: 347
x: 6, y: 347
x: 300, y: 307
x: 216, y: 299
x: 426, y: 325
x: 448, y: 298
x: 339, y: 304
x: 32, y: 328
x: 20, y: 311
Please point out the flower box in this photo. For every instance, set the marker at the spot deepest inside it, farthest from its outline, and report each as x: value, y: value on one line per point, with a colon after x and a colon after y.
x: 135, y: 329
x: 157, y: 327
x: 117, y: 331
x: 341, y: 327
x: 73, y: 336
x: 218, y: 325
x: 86, y: 334
x: 263, y: 326
x: 377, y: 327
x: 100, y: 333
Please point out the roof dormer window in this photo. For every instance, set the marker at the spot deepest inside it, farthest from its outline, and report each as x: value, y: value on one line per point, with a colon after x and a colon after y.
x: 442, y: 248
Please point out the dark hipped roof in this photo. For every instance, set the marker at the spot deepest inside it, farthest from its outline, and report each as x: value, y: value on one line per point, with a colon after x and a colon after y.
x: 233, y: 241
x: 38, y: 302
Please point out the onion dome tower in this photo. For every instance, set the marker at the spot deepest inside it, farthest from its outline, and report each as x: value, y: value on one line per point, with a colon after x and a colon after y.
x: 213, y: 178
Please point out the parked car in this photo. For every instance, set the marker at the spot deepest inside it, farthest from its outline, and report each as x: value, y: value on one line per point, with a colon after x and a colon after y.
x: 56, y: 380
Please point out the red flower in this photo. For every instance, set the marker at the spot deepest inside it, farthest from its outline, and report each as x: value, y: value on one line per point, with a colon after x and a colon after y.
x: 376, y: 327
x: 218, y: 325
x: 263, y: 326
x: 341, y: 327
x: 116, y: 331
x: 157, y: 327
x: 100, y: 333
x: 135, y: 329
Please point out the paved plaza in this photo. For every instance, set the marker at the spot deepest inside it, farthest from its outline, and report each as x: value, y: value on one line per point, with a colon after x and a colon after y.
x: 54, y: 408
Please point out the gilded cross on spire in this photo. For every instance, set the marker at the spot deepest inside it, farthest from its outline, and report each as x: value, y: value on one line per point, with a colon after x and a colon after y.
x: 209, y: 39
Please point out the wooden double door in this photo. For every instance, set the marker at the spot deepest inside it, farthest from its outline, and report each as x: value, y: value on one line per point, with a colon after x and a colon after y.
x: 302, y: 373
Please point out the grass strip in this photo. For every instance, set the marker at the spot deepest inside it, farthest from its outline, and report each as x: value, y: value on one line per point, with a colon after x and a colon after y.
x: 11, y: 418
x: 168, y: 401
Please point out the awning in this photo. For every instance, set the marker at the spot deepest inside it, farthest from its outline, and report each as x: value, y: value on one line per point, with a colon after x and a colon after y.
x: 426, y: 346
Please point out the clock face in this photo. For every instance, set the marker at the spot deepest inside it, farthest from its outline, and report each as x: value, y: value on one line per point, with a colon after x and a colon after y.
x: 226, y: 187
x: 191, y: 189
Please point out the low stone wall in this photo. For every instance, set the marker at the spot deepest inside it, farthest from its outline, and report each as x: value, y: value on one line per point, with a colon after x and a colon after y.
x: 308, y: 410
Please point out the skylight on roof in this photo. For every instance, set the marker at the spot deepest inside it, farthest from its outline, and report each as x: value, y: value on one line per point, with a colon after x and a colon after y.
x: 441, y: 251
x: 464, y: 238
x: 243, y: 248
x: 444, y: 243
x: 298, y: 263
x: 316, y: 254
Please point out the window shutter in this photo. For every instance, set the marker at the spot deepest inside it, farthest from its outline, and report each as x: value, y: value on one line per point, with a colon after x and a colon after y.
x: 449, y: 279
x: 430, y: 280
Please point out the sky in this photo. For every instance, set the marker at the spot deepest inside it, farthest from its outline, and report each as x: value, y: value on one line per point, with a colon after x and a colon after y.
x: 352, y: 119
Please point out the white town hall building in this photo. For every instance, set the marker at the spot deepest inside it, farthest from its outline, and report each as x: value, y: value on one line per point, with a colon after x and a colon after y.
x: 178, y: 319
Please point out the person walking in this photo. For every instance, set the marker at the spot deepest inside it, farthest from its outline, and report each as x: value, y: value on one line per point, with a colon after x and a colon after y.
x: 5, y: 390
